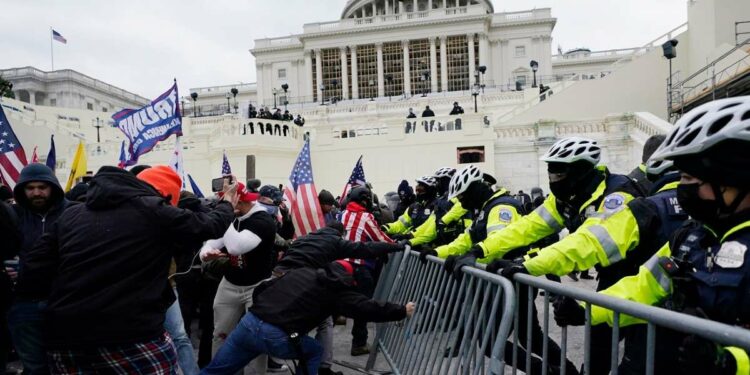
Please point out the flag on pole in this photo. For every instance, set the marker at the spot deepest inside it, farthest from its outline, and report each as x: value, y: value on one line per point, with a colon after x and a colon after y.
x: 34, y: 156
x: 226, y: 170
x: 123, y: 157
x: 302, y: 197
x: 176, y: 162
x: 356, y: 179
x: 78, y: 167
x: 12, y: 155
x: 52, y: 155
x: 58, y: 37
x: 194, y: 186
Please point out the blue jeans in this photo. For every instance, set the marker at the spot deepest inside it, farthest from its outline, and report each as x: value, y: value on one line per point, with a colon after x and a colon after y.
x: 254, y: 337
x: 25, y: 322
x: 174, y: 325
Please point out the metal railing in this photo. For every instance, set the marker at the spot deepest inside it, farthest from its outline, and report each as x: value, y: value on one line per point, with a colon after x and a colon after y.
x: 456, y: 326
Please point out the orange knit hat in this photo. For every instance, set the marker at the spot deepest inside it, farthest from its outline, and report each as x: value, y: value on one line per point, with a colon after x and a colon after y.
x: 165, y: 180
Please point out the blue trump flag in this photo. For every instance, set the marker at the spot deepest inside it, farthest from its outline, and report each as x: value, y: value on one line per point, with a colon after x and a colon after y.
x: 52, y: 155
x: 146, y: 127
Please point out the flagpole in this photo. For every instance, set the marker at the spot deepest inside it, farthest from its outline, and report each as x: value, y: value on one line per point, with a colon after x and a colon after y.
x: 51, y: 51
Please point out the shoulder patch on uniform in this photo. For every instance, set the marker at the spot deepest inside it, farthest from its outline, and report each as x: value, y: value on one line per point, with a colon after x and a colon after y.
x: 427, y: 211
x: 614, y: 202
x: 506, y: 215
x: 731, y: 255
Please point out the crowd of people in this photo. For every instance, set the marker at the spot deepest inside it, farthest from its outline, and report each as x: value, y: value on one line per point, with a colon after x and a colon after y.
x: 456, y: 110
x: 111, y: 281
x: 276, y: 114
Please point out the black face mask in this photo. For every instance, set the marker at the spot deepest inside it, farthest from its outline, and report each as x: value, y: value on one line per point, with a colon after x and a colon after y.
x: 703, y: 210
x: 475, y: 196
x: 563, y: 189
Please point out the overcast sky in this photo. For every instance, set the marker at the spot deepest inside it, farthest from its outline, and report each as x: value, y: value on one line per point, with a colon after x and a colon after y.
x: 141, y: 45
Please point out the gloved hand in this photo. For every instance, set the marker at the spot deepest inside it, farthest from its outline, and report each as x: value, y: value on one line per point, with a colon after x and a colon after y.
x: 454, y: 263
x: 701, y: 356
x: 426, y: 250
x: 403, y: 242
x: 498, y: 264
x: 513, y: 267
x: 568, y: 312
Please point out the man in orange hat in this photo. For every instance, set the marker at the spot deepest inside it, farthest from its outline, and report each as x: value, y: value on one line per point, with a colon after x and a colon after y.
x: 103, y: 269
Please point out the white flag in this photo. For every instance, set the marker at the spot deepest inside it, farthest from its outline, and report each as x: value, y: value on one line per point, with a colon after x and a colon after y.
x: 177, y: 164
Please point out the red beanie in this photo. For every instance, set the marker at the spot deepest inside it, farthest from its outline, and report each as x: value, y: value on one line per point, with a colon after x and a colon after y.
x: 165, y: 180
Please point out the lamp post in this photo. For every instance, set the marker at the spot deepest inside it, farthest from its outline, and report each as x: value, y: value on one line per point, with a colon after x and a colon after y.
x: 334, y: 83
x: 670, y: 53
x: 274, y: 91
x: 372, y: 92
x: 482, y: 69
x: 534, y: 67
x: 475, y: 93
x: 234, y: 92
x: 425, y: 77
x: 285, y: 87
x: 98, y: 138
x: 229, y: 95
x: 323, y: 94
x: 194, y: 95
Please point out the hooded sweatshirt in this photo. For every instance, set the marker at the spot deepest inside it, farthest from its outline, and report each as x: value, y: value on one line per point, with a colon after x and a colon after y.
x: 32, y: 225
x: 103, y: 266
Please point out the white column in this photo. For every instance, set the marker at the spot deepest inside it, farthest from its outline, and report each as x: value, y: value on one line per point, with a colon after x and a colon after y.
x: 355, y: 79
x: 381, y: 81
x: 319, y: 74
x: 32, y: 97
x: 260, y: 85
x: 433, y: 65
x: 308, y: 75
x: 484, y: 50
x: 407, y: 76
x: 472, y: 64
x: 344, y: 75
x: 429, y: 5
x: 374, y: 9
x: 414, y: 9
x: 443, y: 64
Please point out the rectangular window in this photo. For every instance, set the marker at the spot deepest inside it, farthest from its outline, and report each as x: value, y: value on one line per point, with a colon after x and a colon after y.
x: 468, y: 155
x: 457, y: 52
x: 520, y: 51
x: 393, y: 68
x: 521, y: 79
x: 104, y: 109
x: 53, y: 102
x: 419, y: 66
x: 367, y: 71
x: 282, y: 74
x: 90, y: 106
x: 331, y: 62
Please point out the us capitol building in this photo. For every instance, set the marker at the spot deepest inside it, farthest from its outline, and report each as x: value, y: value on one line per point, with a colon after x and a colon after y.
x: 355, y: 79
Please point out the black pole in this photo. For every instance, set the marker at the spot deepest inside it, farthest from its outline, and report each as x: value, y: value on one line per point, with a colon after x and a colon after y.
x: 475, y: 103
x: 274, y: 100
x: 534, y: 85
x: 669, y: 92
x: 229, y: 107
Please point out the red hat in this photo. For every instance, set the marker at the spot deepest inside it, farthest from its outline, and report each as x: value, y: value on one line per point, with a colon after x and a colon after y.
x: 245, y: 195
x: 165, y: 180
x: 347, y: 266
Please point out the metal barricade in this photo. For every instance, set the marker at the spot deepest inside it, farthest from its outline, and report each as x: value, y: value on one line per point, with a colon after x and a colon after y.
x: 653, y: 316
x: 457, y: 325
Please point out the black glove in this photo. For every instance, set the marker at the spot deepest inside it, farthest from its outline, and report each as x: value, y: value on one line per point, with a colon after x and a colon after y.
x: 497, y: 265
x: 514, y: 267
x: 403, y: 242
x: 453, y: 264
x: 568, y: 312
x: 425, y: 252
x: 701, y: 356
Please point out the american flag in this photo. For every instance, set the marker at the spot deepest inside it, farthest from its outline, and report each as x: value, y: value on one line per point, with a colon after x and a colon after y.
x: 58, y: 37
x: 12, y: 155
x: 302, y: 196
x: 356, y: 179
x: 226, y: 170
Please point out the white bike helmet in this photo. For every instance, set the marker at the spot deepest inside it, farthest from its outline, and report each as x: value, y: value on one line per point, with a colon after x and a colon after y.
x: 572, y: 149
x: 445, y: 172
x: 657, y: 168
x: 427, y: 181
x: 706, y: 126
x: 462, y: 179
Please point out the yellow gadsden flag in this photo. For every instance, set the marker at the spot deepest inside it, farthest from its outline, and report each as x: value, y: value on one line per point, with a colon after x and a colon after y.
x: 78, y: 168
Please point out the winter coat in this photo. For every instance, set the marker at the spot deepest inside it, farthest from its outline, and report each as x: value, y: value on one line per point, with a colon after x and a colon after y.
x: 250, y: 268
x: 325, y: 245
x: 103, y: 265
x: 300, y: 299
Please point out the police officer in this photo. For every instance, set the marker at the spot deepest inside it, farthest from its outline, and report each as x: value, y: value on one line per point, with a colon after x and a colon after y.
x: 448, y: 219
x: 418, y: 212
x: 704, y: 268
x: 582, y: 195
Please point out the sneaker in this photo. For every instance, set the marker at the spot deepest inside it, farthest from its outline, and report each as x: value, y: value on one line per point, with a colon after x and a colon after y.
x: 360, y: 350
x: 274, y: 366
x: 328, y: 371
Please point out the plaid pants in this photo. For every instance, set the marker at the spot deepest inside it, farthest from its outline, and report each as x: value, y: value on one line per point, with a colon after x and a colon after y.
x: 156, y: 357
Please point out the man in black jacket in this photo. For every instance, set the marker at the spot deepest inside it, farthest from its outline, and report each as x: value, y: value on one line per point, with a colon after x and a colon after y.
x: 288, y: 307
x: 103, y: 269
x: 11, y: 241
x: 40, y: 201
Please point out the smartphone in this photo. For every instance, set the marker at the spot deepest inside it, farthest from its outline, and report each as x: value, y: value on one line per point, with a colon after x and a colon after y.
x: 217, y: 184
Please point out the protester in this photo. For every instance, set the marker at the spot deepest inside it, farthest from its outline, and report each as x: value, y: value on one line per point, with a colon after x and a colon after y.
x: 411, y: 114
x: 406, y: 198
x: 11, y: 241
x: 327, y: 204
x: 249, y: 241
x: 299, y: 121
x: 428, y: 112
x: 123, y: 237
x: 40, y: 203
x: 288, y: 307
x: 639, y: 173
